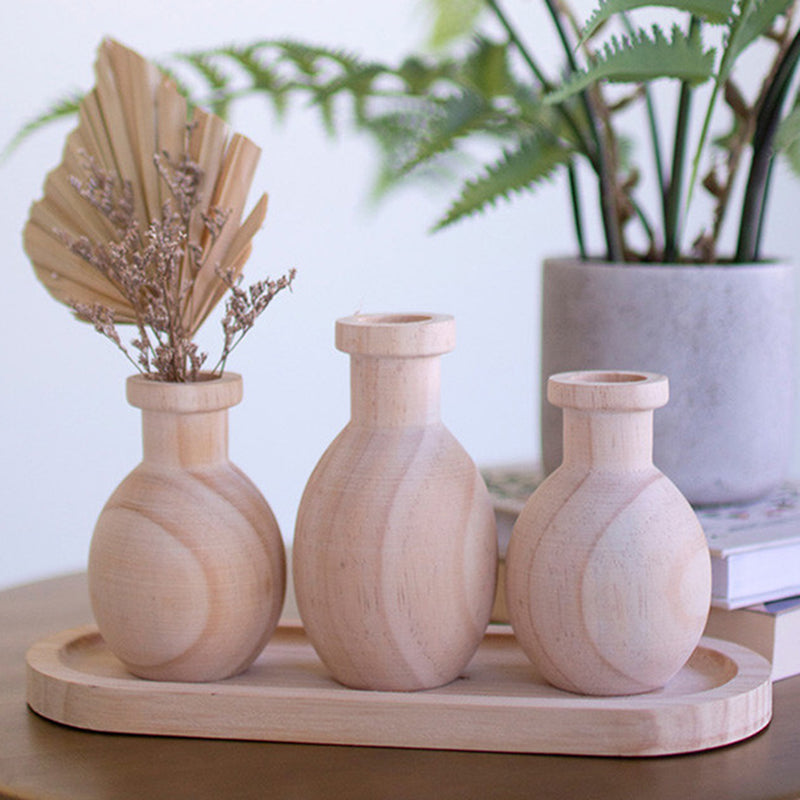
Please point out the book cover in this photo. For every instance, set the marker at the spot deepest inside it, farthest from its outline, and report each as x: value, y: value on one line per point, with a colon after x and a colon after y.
x: 755, y: 549
x: 771, y: 629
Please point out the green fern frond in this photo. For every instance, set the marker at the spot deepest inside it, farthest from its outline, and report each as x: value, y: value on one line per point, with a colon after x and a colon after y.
x: 486, y: 68
x: 397, y: 134
x: 357, y: 82
x: 456, y: 118
x: 787, y: 139
x: 759, y: 17
x: 280, y: 67
x: 452, y: 19
x: 534, y: 161
x: 308, y: 60
x: 640, y: 58
x: 218, y: 81
x: 313, y: 59
x: 418, y: 75
x: 716, y: 12
x: 65, y: 107
x: 264, y: 77
x: 261, y: 73
x: 211, y: 73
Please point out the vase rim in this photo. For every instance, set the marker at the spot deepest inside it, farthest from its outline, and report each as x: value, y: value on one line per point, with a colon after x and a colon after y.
x: 399, y: 335
x: 608, y: 390
x: 207, y: 394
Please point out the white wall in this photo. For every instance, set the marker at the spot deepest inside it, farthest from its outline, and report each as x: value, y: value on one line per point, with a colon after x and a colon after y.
x: 67, y: 435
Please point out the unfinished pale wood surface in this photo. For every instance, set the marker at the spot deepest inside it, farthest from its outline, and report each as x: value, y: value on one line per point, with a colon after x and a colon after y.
x: 395, y: 547
x: 500, y: 703
x: 186, y: 567
x: 608, y: 577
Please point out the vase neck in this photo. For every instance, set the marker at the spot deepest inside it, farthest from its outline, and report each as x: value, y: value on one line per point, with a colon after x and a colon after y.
x: 185, y: 440
x: 394, y: 392
x: 611, y: 440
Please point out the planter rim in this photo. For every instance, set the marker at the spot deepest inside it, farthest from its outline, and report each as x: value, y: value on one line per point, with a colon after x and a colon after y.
x: 399, y: 335
x: 767, y: 265
x: 214, y: 394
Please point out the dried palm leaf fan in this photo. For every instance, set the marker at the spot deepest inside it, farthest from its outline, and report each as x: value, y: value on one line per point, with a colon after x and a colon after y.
x: 133, y: 114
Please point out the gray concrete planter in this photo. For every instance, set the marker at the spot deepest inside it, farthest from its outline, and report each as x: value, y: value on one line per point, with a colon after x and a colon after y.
x: 722, y: 334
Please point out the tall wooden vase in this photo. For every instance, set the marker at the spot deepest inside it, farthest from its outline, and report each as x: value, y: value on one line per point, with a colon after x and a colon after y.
x: 608, y: 571
x: 395, y: 548
x: 187, y: 569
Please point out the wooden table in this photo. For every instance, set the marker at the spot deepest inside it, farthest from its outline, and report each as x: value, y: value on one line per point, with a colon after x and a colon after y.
x: 40, y: 759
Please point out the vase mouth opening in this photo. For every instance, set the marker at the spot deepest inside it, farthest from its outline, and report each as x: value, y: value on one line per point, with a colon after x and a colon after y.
x: 396, y: 335
x: 608, y: 390
x: 601, y: 377
x: 391, y: 319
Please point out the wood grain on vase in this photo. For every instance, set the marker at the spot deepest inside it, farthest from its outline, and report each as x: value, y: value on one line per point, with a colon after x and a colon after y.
x: 187, y: 568
x: 395, y: 547
x: 608, y: 576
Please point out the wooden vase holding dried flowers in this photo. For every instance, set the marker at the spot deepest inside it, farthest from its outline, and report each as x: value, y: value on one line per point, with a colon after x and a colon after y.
x: 142, y: 224
x: 608, y: 577
x: 395, y: 547
x: 187, y: 570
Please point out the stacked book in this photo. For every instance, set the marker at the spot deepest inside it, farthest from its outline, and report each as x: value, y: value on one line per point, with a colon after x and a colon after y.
x: 755, y: 565
x: 755, y: 576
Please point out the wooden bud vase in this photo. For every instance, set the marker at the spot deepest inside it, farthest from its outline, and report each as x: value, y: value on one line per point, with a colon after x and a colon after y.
x: 395, y: 548
x: 608, y: 571
x: 187, y: 569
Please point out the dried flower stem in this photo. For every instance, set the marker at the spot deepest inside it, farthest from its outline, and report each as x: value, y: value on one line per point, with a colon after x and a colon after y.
x: 243, y: 308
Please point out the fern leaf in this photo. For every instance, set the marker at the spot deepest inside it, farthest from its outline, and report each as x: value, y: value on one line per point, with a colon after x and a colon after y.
x: 397, y: 134
x: 357, y: 82
x: 65, y: 107
x: 787, y: 139
x: 418, y: 75
x: 312, y: 59
x: 533, y: 162
x: 456, y: 118
x: 264, y: 77
x: 302, y: 57
x: 486, y: 68
x: 217, y: 80
x: 716, y: 12
x: 759, y: 18
x: 452, y: 19
x: 640, y: 58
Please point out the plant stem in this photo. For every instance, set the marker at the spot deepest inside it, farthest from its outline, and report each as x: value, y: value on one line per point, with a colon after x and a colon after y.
x: 750, y: 226
x: 655, y: 138
x: 608, y: 200
x: 573, y: 67
x: 645, y: 223
x: 515, y: 39
x: 672, y: 195
x: 730, y: 52
x: 763, y: 214
x: 595, y: 151
x: 577, y: 214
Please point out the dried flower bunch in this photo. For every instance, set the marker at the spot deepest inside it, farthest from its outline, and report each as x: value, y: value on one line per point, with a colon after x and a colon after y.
x: 141, y: 223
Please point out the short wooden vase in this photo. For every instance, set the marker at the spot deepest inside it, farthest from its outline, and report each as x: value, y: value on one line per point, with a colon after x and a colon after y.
x: 608, y: 579
x: 187, y: 569
x: 395, y: 549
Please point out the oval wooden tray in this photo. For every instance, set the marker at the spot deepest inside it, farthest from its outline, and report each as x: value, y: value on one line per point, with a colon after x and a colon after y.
x: 721, y: 696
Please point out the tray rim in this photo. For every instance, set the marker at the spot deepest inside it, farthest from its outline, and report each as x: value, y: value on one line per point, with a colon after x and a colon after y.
x: 49, y: 676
